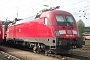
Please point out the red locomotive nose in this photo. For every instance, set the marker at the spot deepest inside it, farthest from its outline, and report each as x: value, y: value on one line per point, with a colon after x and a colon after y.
x: 66, y: 32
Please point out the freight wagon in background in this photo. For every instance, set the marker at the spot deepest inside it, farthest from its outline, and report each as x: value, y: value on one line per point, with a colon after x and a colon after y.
x: 51, y: 30
x: 87, y: 36
x: 87, y: 33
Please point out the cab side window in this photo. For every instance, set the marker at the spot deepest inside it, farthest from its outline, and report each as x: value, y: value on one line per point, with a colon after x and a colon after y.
x: 46, y: 21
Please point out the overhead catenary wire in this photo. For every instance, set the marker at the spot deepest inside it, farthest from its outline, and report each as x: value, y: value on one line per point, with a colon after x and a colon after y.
x: 71, y: 3
x: 29, y: 7
x: 77, y: 10
x: 19, y: 6
x: 65, y: 5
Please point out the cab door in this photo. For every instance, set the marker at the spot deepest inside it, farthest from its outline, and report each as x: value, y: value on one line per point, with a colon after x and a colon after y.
x: 48, y: 28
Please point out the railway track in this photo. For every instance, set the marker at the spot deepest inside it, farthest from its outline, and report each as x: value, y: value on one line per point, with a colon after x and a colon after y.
x: 6, y: 56
x: 69, y: 56
x: 86, y: 47
x: 61, y: 57
x: 27, y: 53
x: 76, y: 54
x: 52, y: 56
x: 85, y: 51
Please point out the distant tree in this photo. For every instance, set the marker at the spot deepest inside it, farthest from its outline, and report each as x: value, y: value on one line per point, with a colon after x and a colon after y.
x: 81, y: 27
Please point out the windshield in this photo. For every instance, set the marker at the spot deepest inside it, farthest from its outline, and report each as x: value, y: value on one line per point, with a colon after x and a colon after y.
x: 65, y: 20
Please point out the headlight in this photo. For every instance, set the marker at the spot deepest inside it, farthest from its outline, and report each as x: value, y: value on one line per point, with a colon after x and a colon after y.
x: 62, y: 31
x: 57, y: 33
x: 75, y: 32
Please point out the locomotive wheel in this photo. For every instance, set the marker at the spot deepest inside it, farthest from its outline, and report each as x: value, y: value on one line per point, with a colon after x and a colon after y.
x: 46, y: 53
x: 38, y: 51
x: 35, y: 49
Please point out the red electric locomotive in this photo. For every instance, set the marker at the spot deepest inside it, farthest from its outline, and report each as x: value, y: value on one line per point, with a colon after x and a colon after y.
x: 1, y: 33
x: 50, y: 30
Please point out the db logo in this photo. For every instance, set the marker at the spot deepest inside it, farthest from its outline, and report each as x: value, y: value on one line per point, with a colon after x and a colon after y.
x: 69, y: 32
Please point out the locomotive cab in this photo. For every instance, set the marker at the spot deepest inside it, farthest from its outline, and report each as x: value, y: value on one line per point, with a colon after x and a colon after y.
x: 67, y: 30
x: 65, y: 34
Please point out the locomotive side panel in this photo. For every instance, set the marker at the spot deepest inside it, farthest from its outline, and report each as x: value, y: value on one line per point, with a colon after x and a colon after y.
x: 33, y: 30
x: 10, y: 32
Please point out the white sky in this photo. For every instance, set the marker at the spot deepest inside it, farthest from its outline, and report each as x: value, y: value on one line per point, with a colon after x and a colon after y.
x: 26, y: 8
